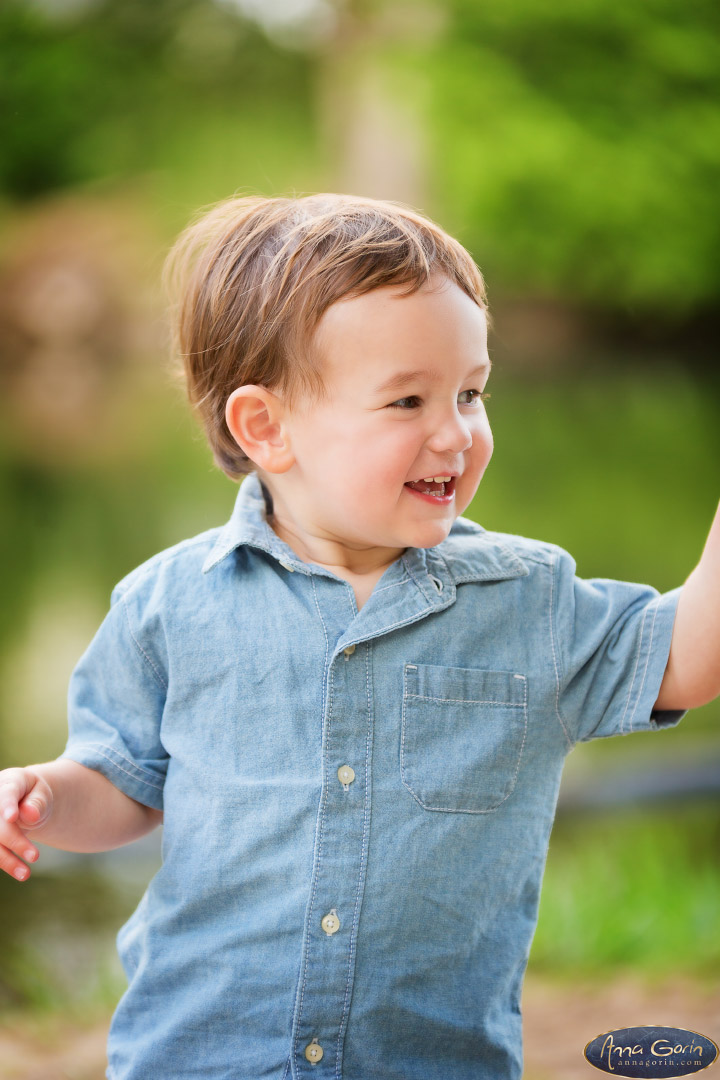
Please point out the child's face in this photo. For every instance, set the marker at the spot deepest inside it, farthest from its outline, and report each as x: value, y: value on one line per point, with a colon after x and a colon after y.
x: 354, y: 453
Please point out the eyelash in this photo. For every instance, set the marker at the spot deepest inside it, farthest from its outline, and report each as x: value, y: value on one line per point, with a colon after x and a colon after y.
x: 414, y: 397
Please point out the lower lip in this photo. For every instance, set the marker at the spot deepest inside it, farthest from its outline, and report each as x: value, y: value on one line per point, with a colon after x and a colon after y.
x: 438, y: 500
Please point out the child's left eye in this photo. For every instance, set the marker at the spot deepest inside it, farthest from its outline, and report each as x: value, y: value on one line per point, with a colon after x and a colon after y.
x: 478, y: 396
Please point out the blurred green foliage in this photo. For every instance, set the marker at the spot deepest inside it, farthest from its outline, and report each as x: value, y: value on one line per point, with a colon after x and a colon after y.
x: 574, y: 147
x: 105, y: 90
x: 617, y: 464
x: 580, y: 145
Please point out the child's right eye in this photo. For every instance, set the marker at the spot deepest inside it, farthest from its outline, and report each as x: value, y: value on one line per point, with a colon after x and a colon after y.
x: 478, y: 397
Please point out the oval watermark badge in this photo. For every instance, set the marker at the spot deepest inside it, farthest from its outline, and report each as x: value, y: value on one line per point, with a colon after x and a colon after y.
x: 651, y: 1052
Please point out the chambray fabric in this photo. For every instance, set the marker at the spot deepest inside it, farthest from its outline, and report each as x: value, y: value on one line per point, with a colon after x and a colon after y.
x: 230, y: 681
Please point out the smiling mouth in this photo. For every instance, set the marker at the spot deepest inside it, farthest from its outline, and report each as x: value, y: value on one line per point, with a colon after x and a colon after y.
x: 438, y: 489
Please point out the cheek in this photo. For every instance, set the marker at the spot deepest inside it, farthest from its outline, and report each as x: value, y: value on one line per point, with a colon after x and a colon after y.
x: 369, y: 460
x: 483, y: 444
x: 489, y: 446
x: 387, y: 453
x: 370, y: 476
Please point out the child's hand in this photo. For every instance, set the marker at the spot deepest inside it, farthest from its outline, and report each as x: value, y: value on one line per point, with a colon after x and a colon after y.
x: 25, y: 803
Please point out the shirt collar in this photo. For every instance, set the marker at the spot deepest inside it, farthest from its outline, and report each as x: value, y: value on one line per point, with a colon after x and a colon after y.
x: 469, y: 552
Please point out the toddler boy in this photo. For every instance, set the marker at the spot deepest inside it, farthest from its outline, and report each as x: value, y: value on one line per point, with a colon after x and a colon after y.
x: 350, y: 706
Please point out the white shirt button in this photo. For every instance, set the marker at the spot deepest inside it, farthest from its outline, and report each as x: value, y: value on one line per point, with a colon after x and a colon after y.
x: 331, y: 923
x: 287, y: 566
x: 349, y: 651
x: 346, y: 775
x: 314, y: 1052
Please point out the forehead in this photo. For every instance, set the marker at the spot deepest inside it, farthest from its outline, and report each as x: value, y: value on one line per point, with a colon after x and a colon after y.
x: 383, y: 332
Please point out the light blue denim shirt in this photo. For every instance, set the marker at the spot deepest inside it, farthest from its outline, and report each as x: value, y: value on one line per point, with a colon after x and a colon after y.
x: 357, y: 804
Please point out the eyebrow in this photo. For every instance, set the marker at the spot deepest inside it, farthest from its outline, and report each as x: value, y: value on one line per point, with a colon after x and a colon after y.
x: 403, y: 378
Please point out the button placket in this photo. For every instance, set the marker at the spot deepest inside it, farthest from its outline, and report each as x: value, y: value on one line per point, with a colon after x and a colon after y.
x: 339, y: 873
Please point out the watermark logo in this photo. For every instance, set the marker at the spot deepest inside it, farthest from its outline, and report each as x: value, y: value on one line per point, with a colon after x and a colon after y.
x: 651, y: 1052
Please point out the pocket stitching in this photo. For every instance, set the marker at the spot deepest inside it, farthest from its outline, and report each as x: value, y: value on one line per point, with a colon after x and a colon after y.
x: 506, y: 704
x: 471, y: 701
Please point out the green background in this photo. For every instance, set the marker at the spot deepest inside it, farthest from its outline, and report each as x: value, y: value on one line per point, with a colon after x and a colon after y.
x: 574, y: 149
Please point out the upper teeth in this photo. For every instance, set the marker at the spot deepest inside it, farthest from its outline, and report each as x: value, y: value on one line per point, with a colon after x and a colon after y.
x: 437, y: 479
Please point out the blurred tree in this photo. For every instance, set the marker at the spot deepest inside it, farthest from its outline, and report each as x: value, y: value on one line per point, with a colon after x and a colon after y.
x: 374, y: 130
x: 575, y: 148
x: 91, y: 92
x: 578, y: 145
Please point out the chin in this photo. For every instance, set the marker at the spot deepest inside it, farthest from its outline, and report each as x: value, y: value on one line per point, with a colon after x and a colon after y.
x: 431, y: 534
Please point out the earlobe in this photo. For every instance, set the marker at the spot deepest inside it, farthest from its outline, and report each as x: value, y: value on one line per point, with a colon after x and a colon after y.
x: 254, y: 417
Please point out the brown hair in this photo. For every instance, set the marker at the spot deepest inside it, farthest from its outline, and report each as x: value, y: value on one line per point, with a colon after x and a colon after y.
x: 251, y: 278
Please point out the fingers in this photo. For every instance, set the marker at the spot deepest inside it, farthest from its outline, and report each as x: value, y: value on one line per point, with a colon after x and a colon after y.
x: 14, y: 846
x: 25, y: 798
x: 20, y: 805
x: 13, y: 788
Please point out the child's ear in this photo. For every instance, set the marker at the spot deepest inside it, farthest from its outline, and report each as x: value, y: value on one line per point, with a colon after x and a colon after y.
x: 255, y: 417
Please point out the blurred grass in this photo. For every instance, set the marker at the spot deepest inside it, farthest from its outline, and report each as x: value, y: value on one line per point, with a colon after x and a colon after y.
x: 632, y: 891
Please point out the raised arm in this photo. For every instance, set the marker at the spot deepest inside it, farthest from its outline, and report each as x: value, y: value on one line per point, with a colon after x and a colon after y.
x: 692, y: 676
x: 65, y: 805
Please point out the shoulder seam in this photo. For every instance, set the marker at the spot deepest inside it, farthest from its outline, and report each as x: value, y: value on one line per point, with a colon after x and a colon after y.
x: 524, y: 548
x: 162, y: 557
x: 549, y: 561
x: 156, y: 674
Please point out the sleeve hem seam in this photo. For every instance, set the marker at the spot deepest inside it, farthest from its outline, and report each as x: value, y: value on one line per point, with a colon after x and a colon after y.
x: 636, y: 691
x: 106, y: 752
x: 556, y: 655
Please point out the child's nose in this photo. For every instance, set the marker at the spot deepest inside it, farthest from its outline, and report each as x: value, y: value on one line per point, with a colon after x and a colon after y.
x: 453, y: 435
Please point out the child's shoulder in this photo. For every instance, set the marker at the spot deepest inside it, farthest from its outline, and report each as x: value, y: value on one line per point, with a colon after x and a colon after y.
x: 475, y: 540
x: 173, y: 567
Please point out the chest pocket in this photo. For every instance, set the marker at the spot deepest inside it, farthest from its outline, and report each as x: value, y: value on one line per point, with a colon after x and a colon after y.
x: 462, y: 737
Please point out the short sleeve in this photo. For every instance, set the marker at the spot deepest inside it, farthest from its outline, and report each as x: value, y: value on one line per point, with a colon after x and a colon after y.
x: 612, y: 644
x: 116, y: 698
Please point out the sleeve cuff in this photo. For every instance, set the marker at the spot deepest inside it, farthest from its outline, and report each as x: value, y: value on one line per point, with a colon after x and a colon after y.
x: 650, y: 667
x: 137, y: 783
